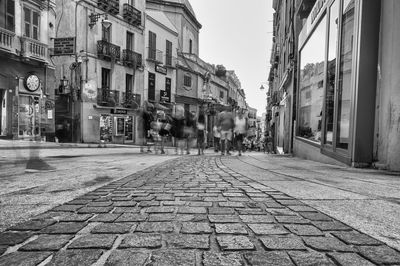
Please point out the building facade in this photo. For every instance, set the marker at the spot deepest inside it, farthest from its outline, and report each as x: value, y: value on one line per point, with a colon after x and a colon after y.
x: 103, y: 73
x: 27, y: 74
x: 344, y: 107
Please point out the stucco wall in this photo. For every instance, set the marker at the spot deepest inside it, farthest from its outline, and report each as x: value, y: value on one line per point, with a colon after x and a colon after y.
x: 388, y: 99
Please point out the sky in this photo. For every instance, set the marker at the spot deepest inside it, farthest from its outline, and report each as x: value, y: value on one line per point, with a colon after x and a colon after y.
x: 238, y: 35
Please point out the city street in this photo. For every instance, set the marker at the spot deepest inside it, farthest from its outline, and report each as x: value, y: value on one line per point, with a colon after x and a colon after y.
x: 257, y: 209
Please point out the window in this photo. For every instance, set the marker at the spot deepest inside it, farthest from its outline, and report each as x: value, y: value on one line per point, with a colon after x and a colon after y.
x: 312, y: 64
x: 106, y: 33
x: 152, y: 45
x: 221, y: 94
x: 187, y: 80
x: 152, y: 87
x: 130, y: 41
x: 190, y: 46
x: 105, y: 78
x: 128, y: 84
x: 168, y: 53
x: 7, y: 14
x: 31, y: 23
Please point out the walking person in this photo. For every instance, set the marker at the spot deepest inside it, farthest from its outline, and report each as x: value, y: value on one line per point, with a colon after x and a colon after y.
x: 190, y: 127
x: 146, y: 119
x: 217, y: 136
x: 226, y: 123
x: 240, y: 131
x: 177, y: 131
x: 201, y: 133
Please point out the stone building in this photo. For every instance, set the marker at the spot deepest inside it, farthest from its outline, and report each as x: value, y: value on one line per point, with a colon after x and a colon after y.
x: 27, y: 74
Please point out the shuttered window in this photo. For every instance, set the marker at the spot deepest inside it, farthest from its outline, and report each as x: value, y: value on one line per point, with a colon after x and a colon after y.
x: 168, y: 53
x: 152, y: 45
x: 7, y: 14
x: 31, y: 23
x: 129, y: 40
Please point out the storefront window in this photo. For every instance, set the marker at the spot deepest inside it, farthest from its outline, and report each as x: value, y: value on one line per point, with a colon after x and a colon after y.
x: 331, y: 73
x: 106, y: 131
x: 345, y: 71
x: 28, y: 116
x: 311, y: 83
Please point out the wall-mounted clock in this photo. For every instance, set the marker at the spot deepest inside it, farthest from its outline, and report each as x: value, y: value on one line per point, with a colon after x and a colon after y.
x: 32, y: 82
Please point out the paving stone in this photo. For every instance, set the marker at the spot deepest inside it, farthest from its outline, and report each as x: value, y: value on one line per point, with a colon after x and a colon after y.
x: 100, y: 241
x: 63, y: 228
x: 186, y: 241
x: 214, y: 199
x: 173, y: 203
x: 255, y: 211
x: 222, y: 259
x: 192, y: 210
x: 268, y: 229
x: 164, y: 217
x: 355, y: 238
x: 221, y: 211
x: 106, y: 217
x: 32, y: 225
x: 233, y: 243
x: 310, y: 258
x: 352, y: 259
x: 149, y: 203
x: 315, y: 216
x: 223, y: 218
x: 47, y: 243
x: 76, y: 217
x: 50, y: 215
x: 380, y: 254
x: 95, y: 209
x: 126, y: 210
x: 200, y: 204
x: 113, y: 228
x: 127, y: 257
x: 282, y: 243
x: 268, y: 258
x: 238, y: 199
x: 23, y: 258
x: 75, y: 257
x: 124, y: 203
x: 274, y: 205
x: 235, y: 229
x: 331, y: 226
x: 131, y: 217
x: 257, y: 218
x: 291, y: 220
x: 290, y: 202
x: 163, y: 209
x: 173, y: 258
x: 100, y: 204
x: 13, y: 238
x: 304, y: 230
x: 281, y: 212
x: 140, y: 240
x: 196, y: 228
x: 302, y: 209
x: 230, y: 204
x: 233, y: 194
x: 326, y: 244
x: 78, y: 202
x: 149, y: 227
x: 67, y: 208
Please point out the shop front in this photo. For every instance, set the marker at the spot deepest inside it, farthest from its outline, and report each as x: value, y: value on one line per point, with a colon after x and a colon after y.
x: 334, y: 114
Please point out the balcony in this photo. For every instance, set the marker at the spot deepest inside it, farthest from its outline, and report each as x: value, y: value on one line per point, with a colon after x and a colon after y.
x: 109, y: 6
x: 155, y: 55
x: 34, y: 49
x: 107, y: 97
x: 131, y: 58
x: 108, y: 51
x: 131, y: 100
x: 170, y: 61
x: 7, y: 40
x: 132, y: 15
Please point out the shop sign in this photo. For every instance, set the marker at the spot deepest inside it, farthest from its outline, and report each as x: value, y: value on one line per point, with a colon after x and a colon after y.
x: 165, y: 96
x: 64, y: 46
x: 119, y: 111
x: 161, y: 69
x: 317, y: 9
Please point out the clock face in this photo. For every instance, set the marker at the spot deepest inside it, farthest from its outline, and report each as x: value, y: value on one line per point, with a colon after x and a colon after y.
x: 32, y: 83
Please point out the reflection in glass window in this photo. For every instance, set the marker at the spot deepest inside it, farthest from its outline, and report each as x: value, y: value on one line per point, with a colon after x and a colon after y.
x: 344, y: 88
x: 312, y: 64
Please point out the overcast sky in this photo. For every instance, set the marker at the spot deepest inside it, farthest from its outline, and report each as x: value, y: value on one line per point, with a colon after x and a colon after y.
x: 237, y: 34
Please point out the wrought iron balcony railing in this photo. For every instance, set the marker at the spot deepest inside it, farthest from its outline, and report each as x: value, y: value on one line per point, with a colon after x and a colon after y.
x: 131, y: 100
x: 132, y: 15
x: 155, y: 55
x: 34, y: 49
x: 109, y: 6
x: 108, y: 51
x: 7, y: 40
x: 131, y: 58
x: 107, y: 97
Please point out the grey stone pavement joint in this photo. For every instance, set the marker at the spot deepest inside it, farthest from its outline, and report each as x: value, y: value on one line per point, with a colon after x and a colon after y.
x: 189, y: 211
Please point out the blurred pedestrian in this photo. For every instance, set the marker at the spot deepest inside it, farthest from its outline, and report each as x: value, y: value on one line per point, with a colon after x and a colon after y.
x: 178, y: 125
x: 217, y: 136
x: 201, y: 133
x: 190, y: 128
x: 146, y: 117
x: 226, y: 123
x: 240, y: 131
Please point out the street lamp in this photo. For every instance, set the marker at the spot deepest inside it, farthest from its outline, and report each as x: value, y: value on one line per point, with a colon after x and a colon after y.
x: 94, y: 17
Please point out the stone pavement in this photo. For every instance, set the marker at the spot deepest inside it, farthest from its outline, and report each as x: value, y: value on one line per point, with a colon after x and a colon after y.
x: 189, y: 211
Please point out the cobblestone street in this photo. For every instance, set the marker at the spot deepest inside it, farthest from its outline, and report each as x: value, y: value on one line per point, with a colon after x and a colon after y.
x: 189, y: 211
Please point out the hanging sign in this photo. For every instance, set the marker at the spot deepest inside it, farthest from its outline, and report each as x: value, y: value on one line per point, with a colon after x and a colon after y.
x: 64, y: 46
x: 161, y: 69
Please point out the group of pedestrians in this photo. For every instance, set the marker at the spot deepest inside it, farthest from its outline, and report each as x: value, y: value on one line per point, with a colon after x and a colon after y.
x: 158, y: 126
